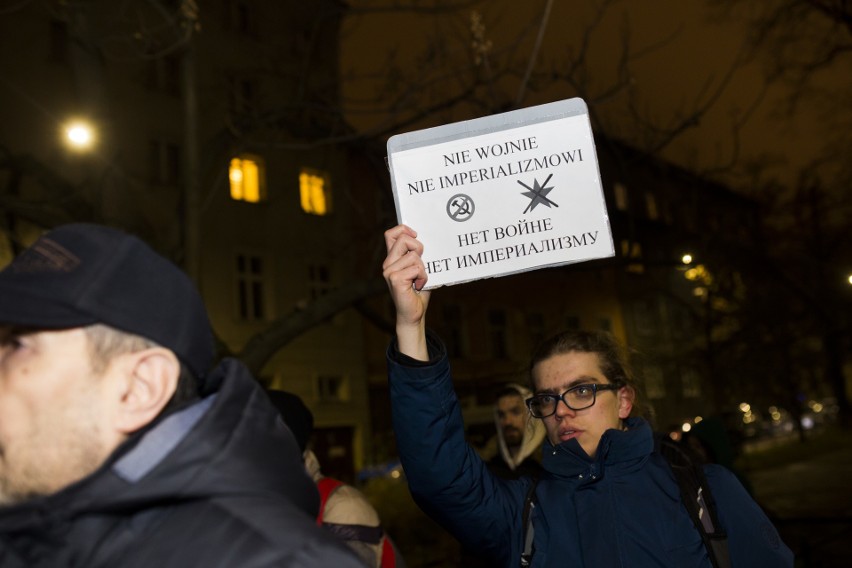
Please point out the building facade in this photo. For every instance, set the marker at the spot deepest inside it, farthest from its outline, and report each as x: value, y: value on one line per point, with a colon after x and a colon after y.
x: 199, y: 115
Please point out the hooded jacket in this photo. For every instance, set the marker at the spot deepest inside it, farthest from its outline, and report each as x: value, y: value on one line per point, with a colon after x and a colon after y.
x: 504, y: 463
x: 199, y: 487
x: 621, y: 508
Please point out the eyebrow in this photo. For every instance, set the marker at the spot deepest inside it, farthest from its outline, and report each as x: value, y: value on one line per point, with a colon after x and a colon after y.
x: 584, y: 380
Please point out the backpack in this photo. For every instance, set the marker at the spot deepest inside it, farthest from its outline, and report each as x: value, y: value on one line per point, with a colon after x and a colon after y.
x: 694, y: 493
x: 326, y: 487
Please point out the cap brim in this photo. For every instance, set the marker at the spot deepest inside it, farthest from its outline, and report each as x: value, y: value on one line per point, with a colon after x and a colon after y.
x: 40, y: 313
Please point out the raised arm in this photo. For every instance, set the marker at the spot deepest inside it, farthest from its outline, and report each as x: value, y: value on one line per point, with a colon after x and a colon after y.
x: 405, y: 275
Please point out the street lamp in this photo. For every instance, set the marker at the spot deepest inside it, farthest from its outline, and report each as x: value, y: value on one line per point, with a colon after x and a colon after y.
x: 686, y: 258
x: 79, y: 135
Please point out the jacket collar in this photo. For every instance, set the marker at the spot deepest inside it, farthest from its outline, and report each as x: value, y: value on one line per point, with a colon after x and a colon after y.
x: 233, y: 437
x: 623, y: 450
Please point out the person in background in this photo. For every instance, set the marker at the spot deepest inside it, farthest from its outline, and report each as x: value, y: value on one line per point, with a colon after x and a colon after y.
x: 121, y: 443
x: 344, y: 511
x: 606, y: 496
x: 710, y: 441
x: 518, y: 437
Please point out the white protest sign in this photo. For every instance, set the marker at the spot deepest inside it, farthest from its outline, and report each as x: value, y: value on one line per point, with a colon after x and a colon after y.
x: 502, y: 194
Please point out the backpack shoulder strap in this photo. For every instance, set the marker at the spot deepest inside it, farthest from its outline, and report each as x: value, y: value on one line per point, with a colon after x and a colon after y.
x: 697, y: 498
x: 326, y: 487
x: 526, y: 519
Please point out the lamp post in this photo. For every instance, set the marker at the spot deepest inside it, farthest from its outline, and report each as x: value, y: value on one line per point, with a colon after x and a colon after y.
x: 79, y: 135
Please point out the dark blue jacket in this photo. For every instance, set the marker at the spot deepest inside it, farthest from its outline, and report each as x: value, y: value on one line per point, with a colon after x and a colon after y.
x: 621, y: 508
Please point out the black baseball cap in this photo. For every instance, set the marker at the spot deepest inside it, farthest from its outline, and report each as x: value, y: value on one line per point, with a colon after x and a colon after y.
x: 82, y: 274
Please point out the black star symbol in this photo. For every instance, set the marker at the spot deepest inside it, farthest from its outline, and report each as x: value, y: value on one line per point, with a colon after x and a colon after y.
x: 537, y: 194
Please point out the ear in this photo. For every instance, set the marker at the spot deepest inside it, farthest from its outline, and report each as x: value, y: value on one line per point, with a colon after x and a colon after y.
x: 626, y: 397
x: 151, y: 382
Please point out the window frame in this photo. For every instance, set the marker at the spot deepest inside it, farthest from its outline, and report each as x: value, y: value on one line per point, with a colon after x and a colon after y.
x: 260, y: 166
x: 306, y: 202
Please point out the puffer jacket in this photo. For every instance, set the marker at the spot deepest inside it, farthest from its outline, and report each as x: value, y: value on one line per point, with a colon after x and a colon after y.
x: 217, y: 484
x: 621, y: 508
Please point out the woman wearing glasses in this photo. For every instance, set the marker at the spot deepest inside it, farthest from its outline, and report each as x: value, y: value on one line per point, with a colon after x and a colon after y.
x: 605, y: 498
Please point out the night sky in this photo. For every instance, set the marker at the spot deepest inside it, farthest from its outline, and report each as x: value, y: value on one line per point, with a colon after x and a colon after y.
x: 681, y: 56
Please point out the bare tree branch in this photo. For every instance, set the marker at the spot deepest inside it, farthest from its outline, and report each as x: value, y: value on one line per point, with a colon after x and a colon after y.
x: 262, y: 346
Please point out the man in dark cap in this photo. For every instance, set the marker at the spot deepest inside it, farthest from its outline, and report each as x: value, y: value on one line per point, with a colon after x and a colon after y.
x: 120, y: 442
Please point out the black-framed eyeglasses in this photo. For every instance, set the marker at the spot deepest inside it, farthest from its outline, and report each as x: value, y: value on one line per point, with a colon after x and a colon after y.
x: 579, y: 397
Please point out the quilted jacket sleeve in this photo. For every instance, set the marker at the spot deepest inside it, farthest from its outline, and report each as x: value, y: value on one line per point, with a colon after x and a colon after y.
x: 752, y: 538
x: 446, y: 476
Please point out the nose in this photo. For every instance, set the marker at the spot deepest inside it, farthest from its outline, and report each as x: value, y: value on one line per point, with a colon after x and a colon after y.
x: 562, y: 409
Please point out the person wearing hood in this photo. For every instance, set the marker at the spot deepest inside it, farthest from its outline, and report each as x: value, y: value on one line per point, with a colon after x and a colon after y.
x: 518, y: 437
x: 120, y: 442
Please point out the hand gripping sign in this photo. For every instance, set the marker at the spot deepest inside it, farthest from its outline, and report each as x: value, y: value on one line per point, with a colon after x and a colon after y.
x: 502, y: 194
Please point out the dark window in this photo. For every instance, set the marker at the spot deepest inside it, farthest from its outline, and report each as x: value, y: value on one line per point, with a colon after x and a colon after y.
x: 164, y: 162
x: 319, y: 280
x: 164, y: 74
x: 58, y: 41
x: 241, y: 95
x: 498, y: 334
x: 452, y: 331
x: 535, y: 328
x: 250, y: 288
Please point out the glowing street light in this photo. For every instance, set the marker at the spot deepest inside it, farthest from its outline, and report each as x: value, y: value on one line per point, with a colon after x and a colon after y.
x: 686, y: 259
x: 79, y: 135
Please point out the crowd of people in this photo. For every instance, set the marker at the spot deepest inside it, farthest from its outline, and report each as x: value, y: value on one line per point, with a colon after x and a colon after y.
x: 125, y: 442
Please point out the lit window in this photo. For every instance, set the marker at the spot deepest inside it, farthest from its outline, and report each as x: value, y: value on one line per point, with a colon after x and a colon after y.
x: 632, y: 250
x: 315, y: 192
x: 246, y: 175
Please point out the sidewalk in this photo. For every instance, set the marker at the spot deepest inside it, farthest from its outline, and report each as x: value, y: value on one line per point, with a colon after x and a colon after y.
x: 810, y: 498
